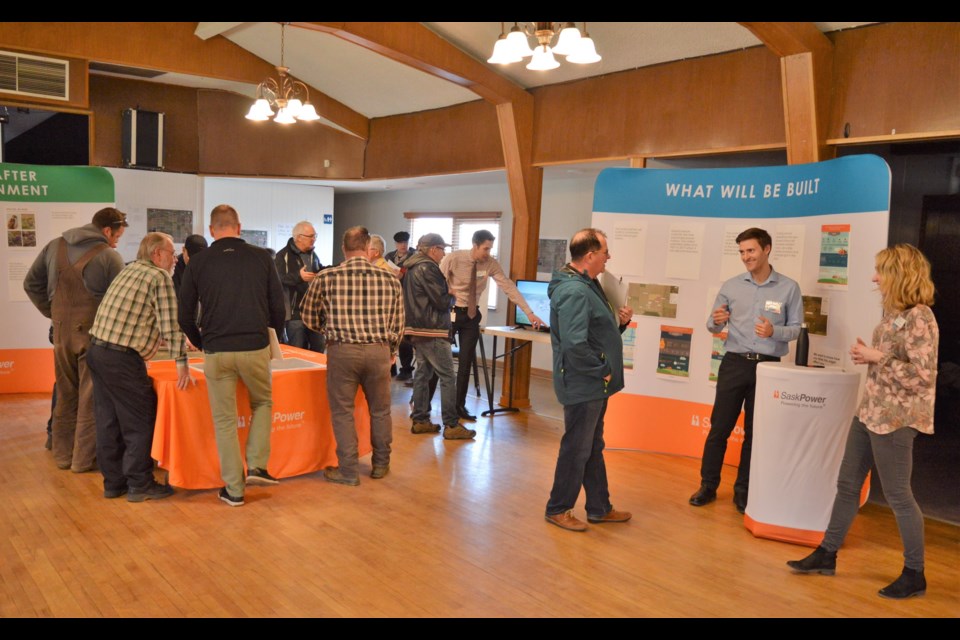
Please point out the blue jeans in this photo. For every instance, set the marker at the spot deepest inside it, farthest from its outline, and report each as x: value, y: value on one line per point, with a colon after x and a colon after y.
x: 434, y: 355
x: 580, y: 462
x: 298, y: 335
x: 893, y: 454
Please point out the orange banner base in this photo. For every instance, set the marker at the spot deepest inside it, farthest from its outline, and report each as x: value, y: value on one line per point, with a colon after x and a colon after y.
x: 26, y: 370
x: 784, y: 534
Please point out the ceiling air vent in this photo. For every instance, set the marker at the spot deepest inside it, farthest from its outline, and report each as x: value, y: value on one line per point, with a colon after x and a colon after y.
x: 28, y: 75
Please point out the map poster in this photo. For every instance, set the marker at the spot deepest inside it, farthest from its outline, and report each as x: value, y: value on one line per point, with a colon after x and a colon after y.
x: 658, y: 300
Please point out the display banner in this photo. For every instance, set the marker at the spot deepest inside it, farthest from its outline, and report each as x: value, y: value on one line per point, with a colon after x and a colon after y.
x: 39, y: 203
x: 676, y: 228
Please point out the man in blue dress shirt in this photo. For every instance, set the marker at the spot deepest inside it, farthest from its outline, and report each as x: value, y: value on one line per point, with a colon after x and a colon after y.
x: 762, y: 311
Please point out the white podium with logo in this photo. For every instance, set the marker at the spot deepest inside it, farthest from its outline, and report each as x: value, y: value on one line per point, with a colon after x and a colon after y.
x: 800, y: 423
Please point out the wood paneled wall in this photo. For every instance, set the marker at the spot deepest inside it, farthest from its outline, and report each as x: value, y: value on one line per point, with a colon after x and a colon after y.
x: 456, y: 139
x: 232, y: 145
x: 712, y: 103
x: 897, y: 76
x: 205, y: 132
x: 109, y: 96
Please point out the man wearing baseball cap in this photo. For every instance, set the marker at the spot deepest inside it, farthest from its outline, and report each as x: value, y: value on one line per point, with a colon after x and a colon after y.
x: 427, y: 301
x: 66, y: 283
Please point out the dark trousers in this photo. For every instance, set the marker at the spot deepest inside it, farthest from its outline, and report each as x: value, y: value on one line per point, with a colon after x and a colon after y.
x: 736, y: 384
x: 580, y: 461
x: 298, y: 335
x: 467, y: 331
x: 125, y: 406
x: 405, y: 356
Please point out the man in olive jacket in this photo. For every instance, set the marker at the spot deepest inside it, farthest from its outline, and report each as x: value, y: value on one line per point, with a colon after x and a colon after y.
x: 587, y: 370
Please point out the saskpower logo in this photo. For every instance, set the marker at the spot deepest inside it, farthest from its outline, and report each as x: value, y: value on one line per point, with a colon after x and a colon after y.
x: 795, y: 399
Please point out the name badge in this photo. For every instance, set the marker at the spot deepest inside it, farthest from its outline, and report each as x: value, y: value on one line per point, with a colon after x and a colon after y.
x: 481, y: 274
x: 772, y: 306
x: 899, y: 322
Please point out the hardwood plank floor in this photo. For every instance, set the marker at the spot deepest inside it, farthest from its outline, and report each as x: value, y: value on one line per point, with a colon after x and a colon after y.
x: 455, y: 530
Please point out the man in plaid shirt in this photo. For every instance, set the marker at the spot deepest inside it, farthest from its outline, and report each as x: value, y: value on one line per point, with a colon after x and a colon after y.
x: 137, y: 316
x: 359, y: 309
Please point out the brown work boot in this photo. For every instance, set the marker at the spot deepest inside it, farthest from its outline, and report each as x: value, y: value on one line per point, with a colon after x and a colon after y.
x: 611, y: 516
x: 424, y: 427
x: 567, y: 520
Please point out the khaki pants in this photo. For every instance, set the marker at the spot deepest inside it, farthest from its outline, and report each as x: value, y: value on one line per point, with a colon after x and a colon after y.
x: 222, y: 370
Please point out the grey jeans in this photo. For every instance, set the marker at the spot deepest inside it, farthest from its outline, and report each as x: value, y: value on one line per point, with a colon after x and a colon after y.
x: 366, y: 366
x: 893, y: 454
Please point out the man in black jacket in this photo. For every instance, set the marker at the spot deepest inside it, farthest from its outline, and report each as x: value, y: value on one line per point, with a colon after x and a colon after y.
x: 298, y: 264
x: 427, y: 302
x: 238, y: 287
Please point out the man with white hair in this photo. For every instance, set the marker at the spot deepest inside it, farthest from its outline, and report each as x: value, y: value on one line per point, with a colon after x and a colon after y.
x: 298, y: 265
x: 138, y: 315
x: 375, y: 255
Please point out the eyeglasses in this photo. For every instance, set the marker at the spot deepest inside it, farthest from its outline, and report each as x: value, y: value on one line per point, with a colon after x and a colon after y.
x: 306, y: 235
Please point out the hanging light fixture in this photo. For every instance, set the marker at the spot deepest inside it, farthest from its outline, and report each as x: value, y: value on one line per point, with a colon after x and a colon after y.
x: 289, y: 97
x: 570, y: 42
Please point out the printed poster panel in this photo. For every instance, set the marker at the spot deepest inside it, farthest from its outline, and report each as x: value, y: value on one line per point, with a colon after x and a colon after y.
x: 834, y: 255
x: 674, y: 358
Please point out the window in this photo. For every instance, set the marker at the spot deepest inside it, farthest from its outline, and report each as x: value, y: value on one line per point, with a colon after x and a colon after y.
x: 458, y: 230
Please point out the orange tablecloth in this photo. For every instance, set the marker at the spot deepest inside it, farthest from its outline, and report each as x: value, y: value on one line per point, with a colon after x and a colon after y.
x: 301, y: 440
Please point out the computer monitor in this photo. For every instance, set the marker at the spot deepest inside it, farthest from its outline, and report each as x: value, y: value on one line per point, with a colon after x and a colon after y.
x: 535, y: 293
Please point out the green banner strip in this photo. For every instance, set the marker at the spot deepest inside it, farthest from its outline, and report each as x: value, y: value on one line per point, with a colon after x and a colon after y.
x: 42, y: 183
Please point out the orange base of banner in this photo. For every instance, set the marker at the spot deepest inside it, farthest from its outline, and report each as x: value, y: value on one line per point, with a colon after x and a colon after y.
x: 26, y: 370
x: 663, y: 425
x: 805, y: 537
x: 784, y: 534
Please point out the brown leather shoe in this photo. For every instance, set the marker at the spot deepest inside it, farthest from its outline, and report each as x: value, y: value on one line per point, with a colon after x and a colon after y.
x: 612, y: 516
x: 567, y: 520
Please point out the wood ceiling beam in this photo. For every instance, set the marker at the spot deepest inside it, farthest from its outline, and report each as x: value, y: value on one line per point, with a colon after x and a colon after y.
x: 414, y: 45
x: 806, y: 66
x: 164, y: 46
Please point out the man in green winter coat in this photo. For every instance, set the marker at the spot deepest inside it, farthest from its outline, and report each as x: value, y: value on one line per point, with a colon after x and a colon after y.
x: 587, y: 369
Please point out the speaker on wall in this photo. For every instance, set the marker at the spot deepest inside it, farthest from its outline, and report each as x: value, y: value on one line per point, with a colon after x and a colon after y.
x: 142, y: 139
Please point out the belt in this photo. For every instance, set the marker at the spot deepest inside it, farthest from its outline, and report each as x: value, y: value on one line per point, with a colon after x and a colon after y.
x: 465, y: 308
x: 113, y: 347
x: 358, y: 344
x: 756, y: 357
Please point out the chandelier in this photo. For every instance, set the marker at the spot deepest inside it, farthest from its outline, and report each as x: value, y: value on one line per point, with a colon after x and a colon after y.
x: 514, y: 46
x: 289, y: 97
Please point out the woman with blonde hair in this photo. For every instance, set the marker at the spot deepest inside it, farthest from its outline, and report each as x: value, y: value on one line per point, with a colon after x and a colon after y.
x: 897, y: 404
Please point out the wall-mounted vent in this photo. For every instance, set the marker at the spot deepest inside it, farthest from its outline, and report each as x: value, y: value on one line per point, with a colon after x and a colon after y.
x: 28, y: 75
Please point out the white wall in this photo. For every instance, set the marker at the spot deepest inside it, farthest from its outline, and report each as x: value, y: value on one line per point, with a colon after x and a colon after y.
x: 137, y: 190
x: 274, y: 206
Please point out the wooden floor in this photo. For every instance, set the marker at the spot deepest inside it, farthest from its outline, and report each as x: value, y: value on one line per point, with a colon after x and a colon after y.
x: 456, y: 530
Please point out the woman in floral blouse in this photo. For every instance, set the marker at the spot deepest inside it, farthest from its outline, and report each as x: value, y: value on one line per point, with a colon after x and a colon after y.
x: 897, y: 404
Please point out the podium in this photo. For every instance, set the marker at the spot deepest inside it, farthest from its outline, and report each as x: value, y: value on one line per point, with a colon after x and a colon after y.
x: 801, y: 418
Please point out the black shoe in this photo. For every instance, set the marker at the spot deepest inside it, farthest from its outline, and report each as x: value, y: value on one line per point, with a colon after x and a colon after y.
x: 261, y: 477
x: 466, y: 415
x: 740, y: 500
x: 110, y: 494
x: 820, y: 561
x: 704, y: 495
x: 229, y: 499
x: 404, y: 375
x: 153, y: 491
x: 910, y: 583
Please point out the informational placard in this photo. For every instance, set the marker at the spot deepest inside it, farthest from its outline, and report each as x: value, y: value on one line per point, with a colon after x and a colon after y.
x: 38, y: 203
x: 827, y: 221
